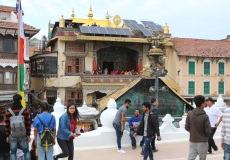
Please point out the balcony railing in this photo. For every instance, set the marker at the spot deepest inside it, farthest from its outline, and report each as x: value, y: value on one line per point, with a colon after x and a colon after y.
x: 109, y: 78
x: 8, y: 87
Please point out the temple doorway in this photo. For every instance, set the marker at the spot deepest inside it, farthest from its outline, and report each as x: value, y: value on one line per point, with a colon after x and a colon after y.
x: 109, y: 66
x: 117, y: 58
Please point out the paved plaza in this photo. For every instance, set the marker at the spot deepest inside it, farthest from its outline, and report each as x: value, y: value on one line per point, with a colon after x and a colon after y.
x: 167, y: 151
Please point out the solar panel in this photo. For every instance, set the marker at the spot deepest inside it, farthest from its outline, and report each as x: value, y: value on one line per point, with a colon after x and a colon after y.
x: 111, y: 31
x: 159, y: 27
x: 141, y: 26
x: 93, y: 29
x: 128, y: 32
x: 84, y: 29
x: 153, y: 27
x: 147, y: 23
x: 126, y: 21
x: 119, y: 31
x: 133, y: 26
x: 102, y: 30
x: 146, y: 32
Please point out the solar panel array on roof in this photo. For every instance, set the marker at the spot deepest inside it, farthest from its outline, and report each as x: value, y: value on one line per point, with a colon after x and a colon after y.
x: 152, y: 25
x: 105, y: 30
x: 146, y: 32
x: 126, y: 21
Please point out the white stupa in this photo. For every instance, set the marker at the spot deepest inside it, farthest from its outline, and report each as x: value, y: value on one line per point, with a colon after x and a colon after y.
x: 87, y: 112
x: 220, y: 103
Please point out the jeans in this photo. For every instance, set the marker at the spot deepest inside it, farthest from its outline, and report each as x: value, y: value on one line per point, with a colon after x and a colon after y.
x: 42, y: 151
x: 198, y: 149
x: 22, y: 143
x: 67, y: 149
x: 5, y: 156
x: 153, y: 142
x: 147, y: 148
x: 119, y: 134
x: 226, y: 151
x: 133, y: 139
x: 211, y: 142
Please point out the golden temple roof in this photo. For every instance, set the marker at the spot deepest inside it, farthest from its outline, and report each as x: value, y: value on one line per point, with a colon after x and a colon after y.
x: 107, y: 22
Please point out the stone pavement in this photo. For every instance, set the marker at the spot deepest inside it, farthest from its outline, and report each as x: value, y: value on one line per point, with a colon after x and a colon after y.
x: 167, y: 151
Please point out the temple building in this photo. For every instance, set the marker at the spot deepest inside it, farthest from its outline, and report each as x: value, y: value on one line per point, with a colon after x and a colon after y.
x: 8, y: 51
x: 91, y: 60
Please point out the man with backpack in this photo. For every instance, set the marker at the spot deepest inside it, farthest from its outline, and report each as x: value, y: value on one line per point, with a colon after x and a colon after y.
x: 45, y: 133
x: 17, y: 125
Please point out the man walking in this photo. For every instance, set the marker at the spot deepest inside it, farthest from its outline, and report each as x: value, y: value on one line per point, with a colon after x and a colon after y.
x: 119, y: 123
x: 148, y: 127
x: 154, y: 110
x: 4, y: 147
x: 17, y: 125
x: 134, y: 122
x: 225, y: 134
x: 215, y: 117
x: 198, y: 125
x: 45, y: 119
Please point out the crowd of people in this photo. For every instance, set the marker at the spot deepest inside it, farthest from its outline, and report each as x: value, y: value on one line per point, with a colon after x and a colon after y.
x: 115, y: 72
x: 201, y: 123
x: 15, y: 133
x: 15, y: 130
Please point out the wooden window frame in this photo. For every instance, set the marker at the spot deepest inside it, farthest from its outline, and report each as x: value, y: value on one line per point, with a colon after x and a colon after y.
x: 209, y: 89
x: 75, y: 65
x: 194, y: 88
x: 190, y: 69
x: 207, y: 70
x: 223, y: 87
x: 219, y: 69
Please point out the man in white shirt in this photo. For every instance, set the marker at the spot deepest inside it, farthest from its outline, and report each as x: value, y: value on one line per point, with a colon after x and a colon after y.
x: 215, y: 117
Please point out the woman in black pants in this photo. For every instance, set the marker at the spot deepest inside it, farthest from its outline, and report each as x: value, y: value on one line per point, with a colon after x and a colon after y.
x: 66, y: 132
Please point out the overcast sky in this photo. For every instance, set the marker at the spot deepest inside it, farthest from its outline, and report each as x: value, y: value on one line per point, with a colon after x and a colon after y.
x: 203, y: 19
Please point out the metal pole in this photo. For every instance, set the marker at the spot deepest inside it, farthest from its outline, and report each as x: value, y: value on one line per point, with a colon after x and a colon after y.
x: 156, y: 85
x: 19, y: 18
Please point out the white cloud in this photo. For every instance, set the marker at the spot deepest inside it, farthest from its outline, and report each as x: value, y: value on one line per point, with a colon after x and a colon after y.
x: 207, y: 19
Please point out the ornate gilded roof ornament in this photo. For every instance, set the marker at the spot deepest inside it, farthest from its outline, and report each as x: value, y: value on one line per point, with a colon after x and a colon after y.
x: 107, y: 15
x: 90, y: 15
x: 166, y: 29
x: 117, y: 20
x: 62, y: 22
x: 72, y: 15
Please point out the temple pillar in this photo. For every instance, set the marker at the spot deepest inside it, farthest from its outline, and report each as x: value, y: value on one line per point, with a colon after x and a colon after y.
x: 94, y: 61
x: 140, y: 62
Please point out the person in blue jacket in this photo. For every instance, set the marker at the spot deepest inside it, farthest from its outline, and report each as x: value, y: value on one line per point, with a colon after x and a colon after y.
x: 134, y: 123
x: 66, y: 132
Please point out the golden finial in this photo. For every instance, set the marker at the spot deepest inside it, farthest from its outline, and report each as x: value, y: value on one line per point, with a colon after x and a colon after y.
x: 107, y: 15
x: 90, y: 15
x: 166, y: 29
x: 62, y: 22
x: 73, y: 15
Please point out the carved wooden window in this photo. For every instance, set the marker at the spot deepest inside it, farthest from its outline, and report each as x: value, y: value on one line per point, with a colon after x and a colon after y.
x: 75, y: 97
x: 75, y: 65
x: 1, y: 44
x: 8, y: 78
x: 75, y: 47
x: 1, y: 78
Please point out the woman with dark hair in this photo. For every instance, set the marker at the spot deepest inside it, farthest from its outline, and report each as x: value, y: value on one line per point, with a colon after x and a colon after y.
x: 66, y: 132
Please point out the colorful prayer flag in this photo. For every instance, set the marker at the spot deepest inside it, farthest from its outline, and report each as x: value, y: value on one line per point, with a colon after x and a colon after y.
x: 21, y: 53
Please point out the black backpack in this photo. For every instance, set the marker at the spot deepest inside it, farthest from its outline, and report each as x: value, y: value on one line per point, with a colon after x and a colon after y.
x: 47, y: 137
